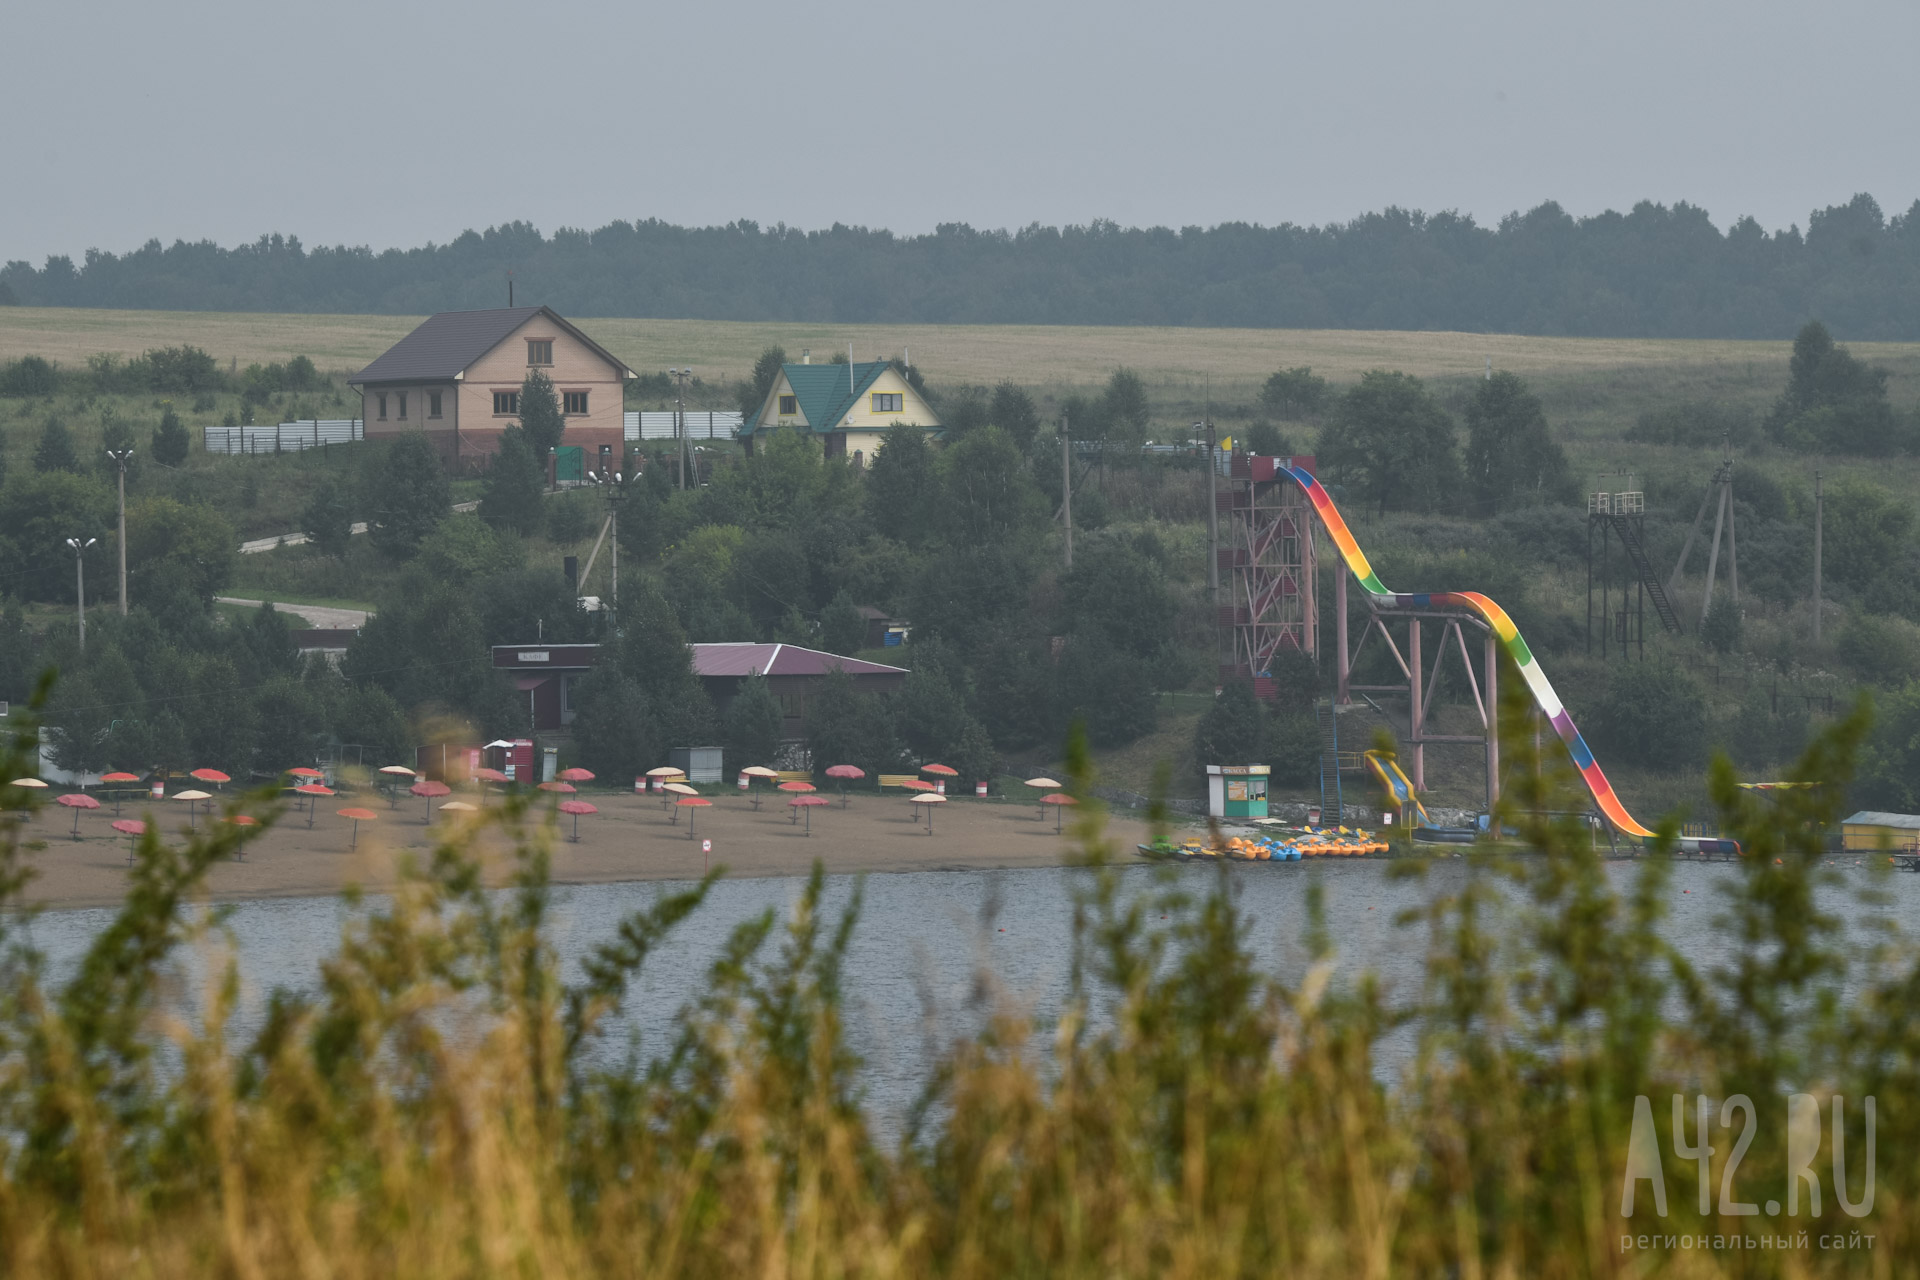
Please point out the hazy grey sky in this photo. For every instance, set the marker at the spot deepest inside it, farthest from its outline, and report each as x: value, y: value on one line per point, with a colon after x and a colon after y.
x: 385, y: 122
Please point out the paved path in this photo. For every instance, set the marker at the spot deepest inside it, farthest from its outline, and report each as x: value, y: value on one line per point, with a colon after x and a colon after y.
x: 259, y: 545
x: 317, y: 615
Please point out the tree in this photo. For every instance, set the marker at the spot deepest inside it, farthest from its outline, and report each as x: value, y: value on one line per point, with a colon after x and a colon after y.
x: 189, y: 542
x: 1833, y: 402
x: 845, y: 726
x: 1268, y: 440
x: 328, y: 519
x: 1233, y: 729
x: 1109, y: 689
x: 614, y: 727
x: 1512, y: 458
x: 759, y: 385
x: 753, y: 724
x: 55, y: 450
x: 170, y: 440
x: 1391, y: 443
x: 843, y: 629
x: 263, y: 647
x: 1650, y: 714
x: 1124, y: 411
x: 1121, y: 596
x: 39, y: 511
x: 1293, y: 394
x: 511, y: 493
x: 1012, y: 410
x: 540, y: 417
x: 1720, y: 630
x: 899, y: 484
x: 1867, y: 531
x: 408, y: 496
x: 291, y: 723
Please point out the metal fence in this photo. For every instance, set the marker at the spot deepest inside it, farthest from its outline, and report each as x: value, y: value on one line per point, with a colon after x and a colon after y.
x: 283, y: 437
x: 701, y: 425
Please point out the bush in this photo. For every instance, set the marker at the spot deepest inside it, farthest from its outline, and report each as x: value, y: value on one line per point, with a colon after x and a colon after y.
x: 1885, y: 651
x: 1651, y: 715
x: 1721, y: 630
x: 170, y: 440
x: 28, y: 376
x: 1233, y: 729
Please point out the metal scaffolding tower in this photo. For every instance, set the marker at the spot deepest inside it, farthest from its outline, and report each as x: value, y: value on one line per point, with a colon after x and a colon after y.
x: 1266, y: 565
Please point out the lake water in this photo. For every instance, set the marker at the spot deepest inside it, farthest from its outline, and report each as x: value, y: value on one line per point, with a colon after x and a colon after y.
x: 924, y: 936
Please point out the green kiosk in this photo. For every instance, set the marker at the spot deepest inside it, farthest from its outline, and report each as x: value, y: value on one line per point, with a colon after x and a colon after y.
x: 1237, y: 790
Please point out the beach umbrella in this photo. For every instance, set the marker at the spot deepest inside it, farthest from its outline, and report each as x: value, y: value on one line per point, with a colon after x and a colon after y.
x: 942, y: 772
x: 459, y: 806
x: 1060, y: 800
x: 359, y: 816
x: 120, y: 778
x: 304, y: 772
x: 130, y: 828
x: 576, y: 775
x: 756, y: 771
x: 398, y: 771
x: 243, y: 820
x: 194, y: 797
x: 564, y: 788
x: 664, y: 772
x: 28, y: 782
x: 808, y: 804
x: 690, y: 803
x: 845, y: 772
x: 312, y: 789
x: 210, y: 775
x: 576, y: 808
x: 428, y: 789
x: 485, y: 776
x: 1043, y: 784
x: 394, y: 773
x: 798, y: 788
x: 674, y: 791
x: 929, y: 799
x: 77, y: 801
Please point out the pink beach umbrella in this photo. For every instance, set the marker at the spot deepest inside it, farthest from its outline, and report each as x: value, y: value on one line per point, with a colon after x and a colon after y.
x: 576, y: 808
x: 429, y: 789
x: 807, y: 804
x: 359, y: 816
x: 845, y: 773
x: 131, y: 828
x: 576, y: 775
x: 1060, y: 800
x: 77, y: 801
x: 563, y: 788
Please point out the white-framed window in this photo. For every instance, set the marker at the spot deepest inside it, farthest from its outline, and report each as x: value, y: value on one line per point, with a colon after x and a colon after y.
x: 506, y: 403
x: 889, y: 402
x: 573, y: 402
x: 539, y: 350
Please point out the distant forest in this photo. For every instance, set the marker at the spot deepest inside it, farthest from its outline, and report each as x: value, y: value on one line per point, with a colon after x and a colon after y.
x: 1657, y: 271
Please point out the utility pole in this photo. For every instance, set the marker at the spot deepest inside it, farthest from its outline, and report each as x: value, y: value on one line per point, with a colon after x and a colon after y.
x: 1213, y: 519
x: 121, y: 457
x: 80, y: 583
x: 680, y: 377
x: 613, y: 485
x: 1818, y: 512
x: 1066, y: 485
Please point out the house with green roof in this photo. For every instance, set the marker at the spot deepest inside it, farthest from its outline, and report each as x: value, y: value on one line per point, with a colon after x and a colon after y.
x: 848, y: 407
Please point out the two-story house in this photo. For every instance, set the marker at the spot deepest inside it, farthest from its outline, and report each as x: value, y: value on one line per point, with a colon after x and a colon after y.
x: 457, y: 378
x: 847, y: 406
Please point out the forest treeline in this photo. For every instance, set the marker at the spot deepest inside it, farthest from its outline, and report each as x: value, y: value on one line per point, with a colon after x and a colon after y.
x: 1656, y: 271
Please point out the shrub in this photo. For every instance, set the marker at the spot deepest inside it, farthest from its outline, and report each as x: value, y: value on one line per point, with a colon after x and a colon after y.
x: 28, y: 376
x: 170, y: 440
x: 1650, y: 714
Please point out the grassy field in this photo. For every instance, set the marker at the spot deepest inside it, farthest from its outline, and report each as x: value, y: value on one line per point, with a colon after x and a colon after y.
x: 1181, y: 363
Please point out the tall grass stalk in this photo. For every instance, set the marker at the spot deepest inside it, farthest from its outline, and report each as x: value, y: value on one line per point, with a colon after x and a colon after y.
x: 444, y: 1104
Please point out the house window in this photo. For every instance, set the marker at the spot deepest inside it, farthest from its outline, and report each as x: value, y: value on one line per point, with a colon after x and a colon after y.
x: 889, y: 401
x: 383, y: 407
x: 576, y: 402
x: 403, y: 406
x: 433, y: 404
x: 539, y: 350
x: 789, y: 405
x: 792, y: 705
x: 506, y: 403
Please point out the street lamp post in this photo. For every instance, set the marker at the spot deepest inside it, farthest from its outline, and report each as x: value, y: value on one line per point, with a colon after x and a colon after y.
x: 680, y: 377
x: 80, y: 583
x: 121, y: 457
x: 612, y: 484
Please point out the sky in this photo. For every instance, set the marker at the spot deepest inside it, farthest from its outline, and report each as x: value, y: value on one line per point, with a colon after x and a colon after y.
x: 395, y: 123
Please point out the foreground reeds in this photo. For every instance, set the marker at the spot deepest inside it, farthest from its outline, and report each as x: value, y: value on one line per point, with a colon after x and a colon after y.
x: 437, y: 1110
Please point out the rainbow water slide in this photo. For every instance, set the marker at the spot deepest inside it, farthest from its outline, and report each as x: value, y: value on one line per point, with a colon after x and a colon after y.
x: 1537, y: 683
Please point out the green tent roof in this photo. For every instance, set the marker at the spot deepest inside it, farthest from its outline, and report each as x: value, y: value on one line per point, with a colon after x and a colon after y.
x: 826, y: 393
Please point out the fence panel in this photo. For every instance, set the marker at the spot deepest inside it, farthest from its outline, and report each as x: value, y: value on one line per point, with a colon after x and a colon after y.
x: 283, y: 437
x: 701, y: 425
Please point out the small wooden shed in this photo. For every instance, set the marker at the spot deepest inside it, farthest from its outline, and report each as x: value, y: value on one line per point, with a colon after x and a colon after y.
x: 1870, y: 830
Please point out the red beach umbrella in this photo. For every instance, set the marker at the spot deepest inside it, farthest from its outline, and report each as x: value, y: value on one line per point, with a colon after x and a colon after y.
x: 209, y: 775
x: 1061, y: 800
x: 845, y: 773
x: 77, y: 801
x: 304, y: 772
x: 428, y: 788
x: 576, y: 808
x: 130, y: 828
x: 359, y: 816
x: 690, y: 803
x: 313, y: 789
x: 944, y: 770
x: 799, y: 788
x: 808, y: 804
x: 120, y: 778
x: 576, y: 775
x: 564, y: 788
x: 242, y: 820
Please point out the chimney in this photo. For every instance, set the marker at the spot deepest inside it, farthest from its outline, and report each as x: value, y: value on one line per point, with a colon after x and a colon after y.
x: 806, y: 355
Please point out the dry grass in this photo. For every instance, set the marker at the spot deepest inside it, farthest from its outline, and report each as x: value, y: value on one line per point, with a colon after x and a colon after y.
x: 1229, y: 362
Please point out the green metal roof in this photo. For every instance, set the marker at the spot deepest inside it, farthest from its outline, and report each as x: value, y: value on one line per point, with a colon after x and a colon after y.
x: 826, y: 392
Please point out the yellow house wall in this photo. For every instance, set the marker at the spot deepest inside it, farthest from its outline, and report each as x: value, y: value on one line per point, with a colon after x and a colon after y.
x: 914, y: 411
x: 416, y: 418
x: 770, y: 415
x: 1859, y: 837
x: 575, y: 367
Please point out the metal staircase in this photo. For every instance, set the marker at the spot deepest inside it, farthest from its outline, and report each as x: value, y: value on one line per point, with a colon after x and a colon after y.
x: 1332, y: 808
x: 1656, y: 590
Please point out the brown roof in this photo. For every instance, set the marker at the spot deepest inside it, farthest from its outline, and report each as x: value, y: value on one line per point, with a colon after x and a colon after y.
x: 779, y: 660
x: 446, y: 344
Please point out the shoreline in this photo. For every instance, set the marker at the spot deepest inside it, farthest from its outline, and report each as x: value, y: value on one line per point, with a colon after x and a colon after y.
x: 630, y: 840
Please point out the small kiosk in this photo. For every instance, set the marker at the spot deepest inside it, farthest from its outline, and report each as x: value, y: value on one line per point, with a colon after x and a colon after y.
x: 1237, y: 790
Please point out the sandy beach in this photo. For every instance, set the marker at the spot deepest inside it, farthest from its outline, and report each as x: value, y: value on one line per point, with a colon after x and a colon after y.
x: 631, y: 838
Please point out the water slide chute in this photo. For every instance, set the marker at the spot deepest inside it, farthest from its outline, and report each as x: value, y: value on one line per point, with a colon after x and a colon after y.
x: 1509, y: 636
x: 1397, y: 784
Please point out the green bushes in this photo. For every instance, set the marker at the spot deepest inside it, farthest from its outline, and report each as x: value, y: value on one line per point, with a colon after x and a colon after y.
x: 1649, y: 713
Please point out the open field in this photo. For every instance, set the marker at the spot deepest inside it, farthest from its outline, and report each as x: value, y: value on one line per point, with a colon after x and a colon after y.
x: 1231, y: 362
x: 629, y: 839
